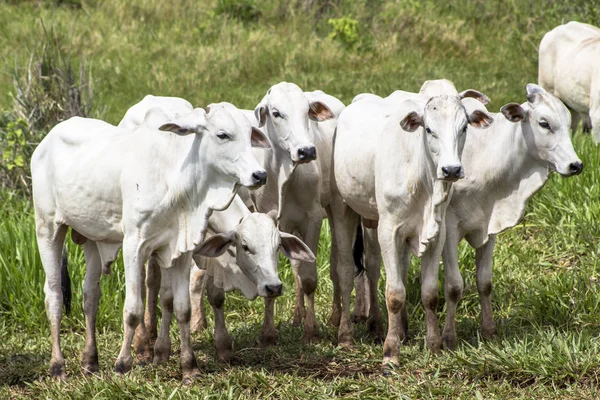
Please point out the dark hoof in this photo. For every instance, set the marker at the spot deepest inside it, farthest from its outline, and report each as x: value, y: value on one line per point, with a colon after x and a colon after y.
x: 267, y: 341
x: 57, y: 370
x: 359, y: 319
x: 122, y: 368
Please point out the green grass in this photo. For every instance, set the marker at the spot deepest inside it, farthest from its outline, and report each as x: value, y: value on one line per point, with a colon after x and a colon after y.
x: 546, y: 272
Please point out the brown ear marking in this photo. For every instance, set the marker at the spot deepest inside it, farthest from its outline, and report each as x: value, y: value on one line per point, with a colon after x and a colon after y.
x: 480, y: 119
x: 475, y: 94
x: 259, y: 139
x: 318, y: 111
x: 513, y: 112
x: 411, y: 122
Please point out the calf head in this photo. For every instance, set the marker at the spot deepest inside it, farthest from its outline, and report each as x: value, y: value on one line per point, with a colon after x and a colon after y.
x: 438, y: 87
x: 256, y: 240
x: 226, y: 140
x: 286, y: 110
x: 546, y: 124
x: 445, y: 122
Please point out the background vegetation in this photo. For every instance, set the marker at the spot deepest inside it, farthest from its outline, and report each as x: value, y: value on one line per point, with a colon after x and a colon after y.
x: 97, y: 58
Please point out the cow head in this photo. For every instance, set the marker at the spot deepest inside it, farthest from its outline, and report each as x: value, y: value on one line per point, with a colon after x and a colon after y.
x: 445, y: 121
x: 256, y: 240
x: 286, y: 110
x: 546, y: 124
x: 438, y: 87
x: 226, y: 141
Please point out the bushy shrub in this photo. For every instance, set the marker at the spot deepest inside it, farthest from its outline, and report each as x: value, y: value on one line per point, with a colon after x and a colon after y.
x: 345, y: 31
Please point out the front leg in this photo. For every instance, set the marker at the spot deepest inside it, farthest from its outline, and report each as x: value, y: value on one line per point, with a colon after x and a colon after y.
x: 484, y: 257
x: 453, y: 287
x: 268, y: 336
x: 223, y: 342
x: 336, y: 306
x: 373, y: 271
x: 429, y: 290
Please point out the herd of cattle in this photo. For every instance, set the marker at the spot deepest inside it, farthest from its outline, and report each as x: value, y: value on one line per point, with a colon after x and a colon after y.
x: 224, y: 189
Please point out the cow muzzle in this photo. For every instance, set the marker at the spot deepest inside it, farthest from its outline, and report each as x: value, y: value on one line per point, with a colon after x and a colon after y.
x: 258, y: 179
x: 574, y: 168
x: 452, y: 173
x: 273, y: 291
x: 307, y: 154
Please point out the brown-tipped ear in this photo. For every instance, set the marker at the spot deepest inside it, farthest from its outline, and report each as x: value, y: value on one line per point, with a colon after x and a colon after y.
x: 477, y: 95
x: 294, y: 248
x: 513, y: 112
x: 412, y: 121
x: 215, y: 246
x: 176, y: 129
x: 259, y: 139
x: 480, y: 119
x: 260, y: 113
x: 318, y: 111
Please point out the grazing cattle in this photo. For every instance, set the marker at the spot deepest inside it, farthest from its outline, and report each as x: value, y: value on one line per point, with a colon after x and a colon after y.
x: 300, y: 125
x: 569, y: 58
x: 366, y: 306
x: 150, y: 191
x: 242, y: 256
x: 394, y: 162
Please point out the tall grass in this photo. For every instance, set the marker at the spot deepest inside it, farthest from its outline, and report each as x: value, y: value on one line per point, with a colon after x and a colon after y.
x: 546, y: 272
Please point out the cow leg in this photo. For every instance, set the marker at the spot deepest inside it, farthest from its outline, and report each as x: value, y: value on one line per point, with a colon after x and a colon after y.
x: 50, y: 239
x: 361, y: 301
x: 373, y: 272
x: 91, y: 297
x: 484, y: 257
x: 309, y: 277
x: 395, y: 291
x: 197, y: 284
x: 268, y: 336
x: 162, y: 345
x: 336, y: 307
x: 133, y: 310
x: 180, y: 285
x: 575, y: 118
x: 345, y: 221
x: 141, y: 340
x: 223, y: 342
x: 299, y: 309
x: 430, y: 266
x: 153, y: 278
x: 587, y: 123
x: 453, y: 287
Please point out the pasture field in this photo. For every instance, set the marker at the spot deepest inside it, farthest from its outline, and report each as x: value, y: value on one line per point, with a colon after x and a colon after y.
x: 546, y: 270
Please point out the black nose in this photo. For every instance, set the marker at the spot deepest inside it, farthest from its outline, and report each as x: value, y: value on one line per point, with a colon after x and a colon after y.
x: 307, y: 153
x: 576, y: 168
x: 452, y: 172
x: 274, y: 290
x: 259, y: 177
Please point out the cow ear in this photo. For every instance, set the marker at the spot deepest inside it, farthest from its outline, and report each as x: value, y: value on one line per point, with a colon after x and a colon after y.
x: 294, y: 248
x: 318, y: 111
x: 412, y: 121
x: 513, y: 112
x: 480, y: 119
x: 533, y: 91
x: 476, y: 95
x: 259, y: 139
x: 260, y: 113
x: 194, y: 122
x: 216, y: 245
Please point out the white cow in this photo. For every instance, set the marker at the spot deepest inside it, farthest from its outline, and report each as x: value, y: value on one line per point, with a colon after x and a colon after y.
x: 146, y: 190
x: 569, y: 68
x: 300, y: 125
x: 394, y: 162
x: 249, y: 265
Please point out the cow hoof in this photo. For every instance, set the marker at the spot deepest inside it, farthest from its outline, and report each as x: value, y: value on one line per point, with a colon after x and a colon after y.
x: 359, y: 318
x: 190, y: 376
x: 489, y: 333
x: 57, y: 371
x: 299, y: 314
x: 388, y: 367
x: 145, y: 357
x: 225, y: 355
x: 450, y: 342
x: 267, y: 340
x: 435, y: 345
x: 123, y: 367
x: 90, y: 368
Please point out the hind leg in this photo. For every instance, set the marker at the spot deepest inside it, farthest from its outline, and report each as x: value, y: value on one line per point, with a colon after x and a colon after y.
x: 91, y: 297
x: 197, y: 286
x: 373, y: 272
x: 51, y: 238
x: 336, y: 306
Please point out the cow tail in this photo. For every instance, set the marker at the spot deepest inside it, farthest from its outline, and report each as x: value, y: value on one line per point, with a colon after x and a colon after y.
x: 65, y: 281
x: 358, y: 250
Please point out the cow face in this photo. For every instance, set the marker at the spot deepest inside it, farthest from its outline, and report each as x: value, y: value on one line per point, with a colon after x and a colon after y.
x: 546, y: 124
x: 286, y: 111
x: 445, y: 122
x: 256, y: 241
x: 226, y: 141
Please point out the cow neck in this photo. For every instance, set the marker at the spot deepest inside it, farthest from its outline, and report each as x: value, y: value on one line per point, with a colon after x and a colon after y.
x: 194, y: 191
x: 281, y: 163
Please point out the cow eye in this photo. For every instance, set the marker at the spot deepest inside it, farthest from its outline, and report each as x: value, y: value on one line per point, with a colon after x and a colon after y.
x: 430, y: 132
x: 245, y: 247
x: 277, y: 114
x: 545, y: 125
x: 223, y: 136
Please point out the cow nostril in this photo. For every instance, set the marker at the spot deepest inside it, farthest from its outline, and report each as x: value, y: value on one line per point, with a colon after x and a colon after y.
x: 274, y: 290
x: 259, y: 177
x: 307, y: 153
x: 576, y: 168
x: 452, y: 172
